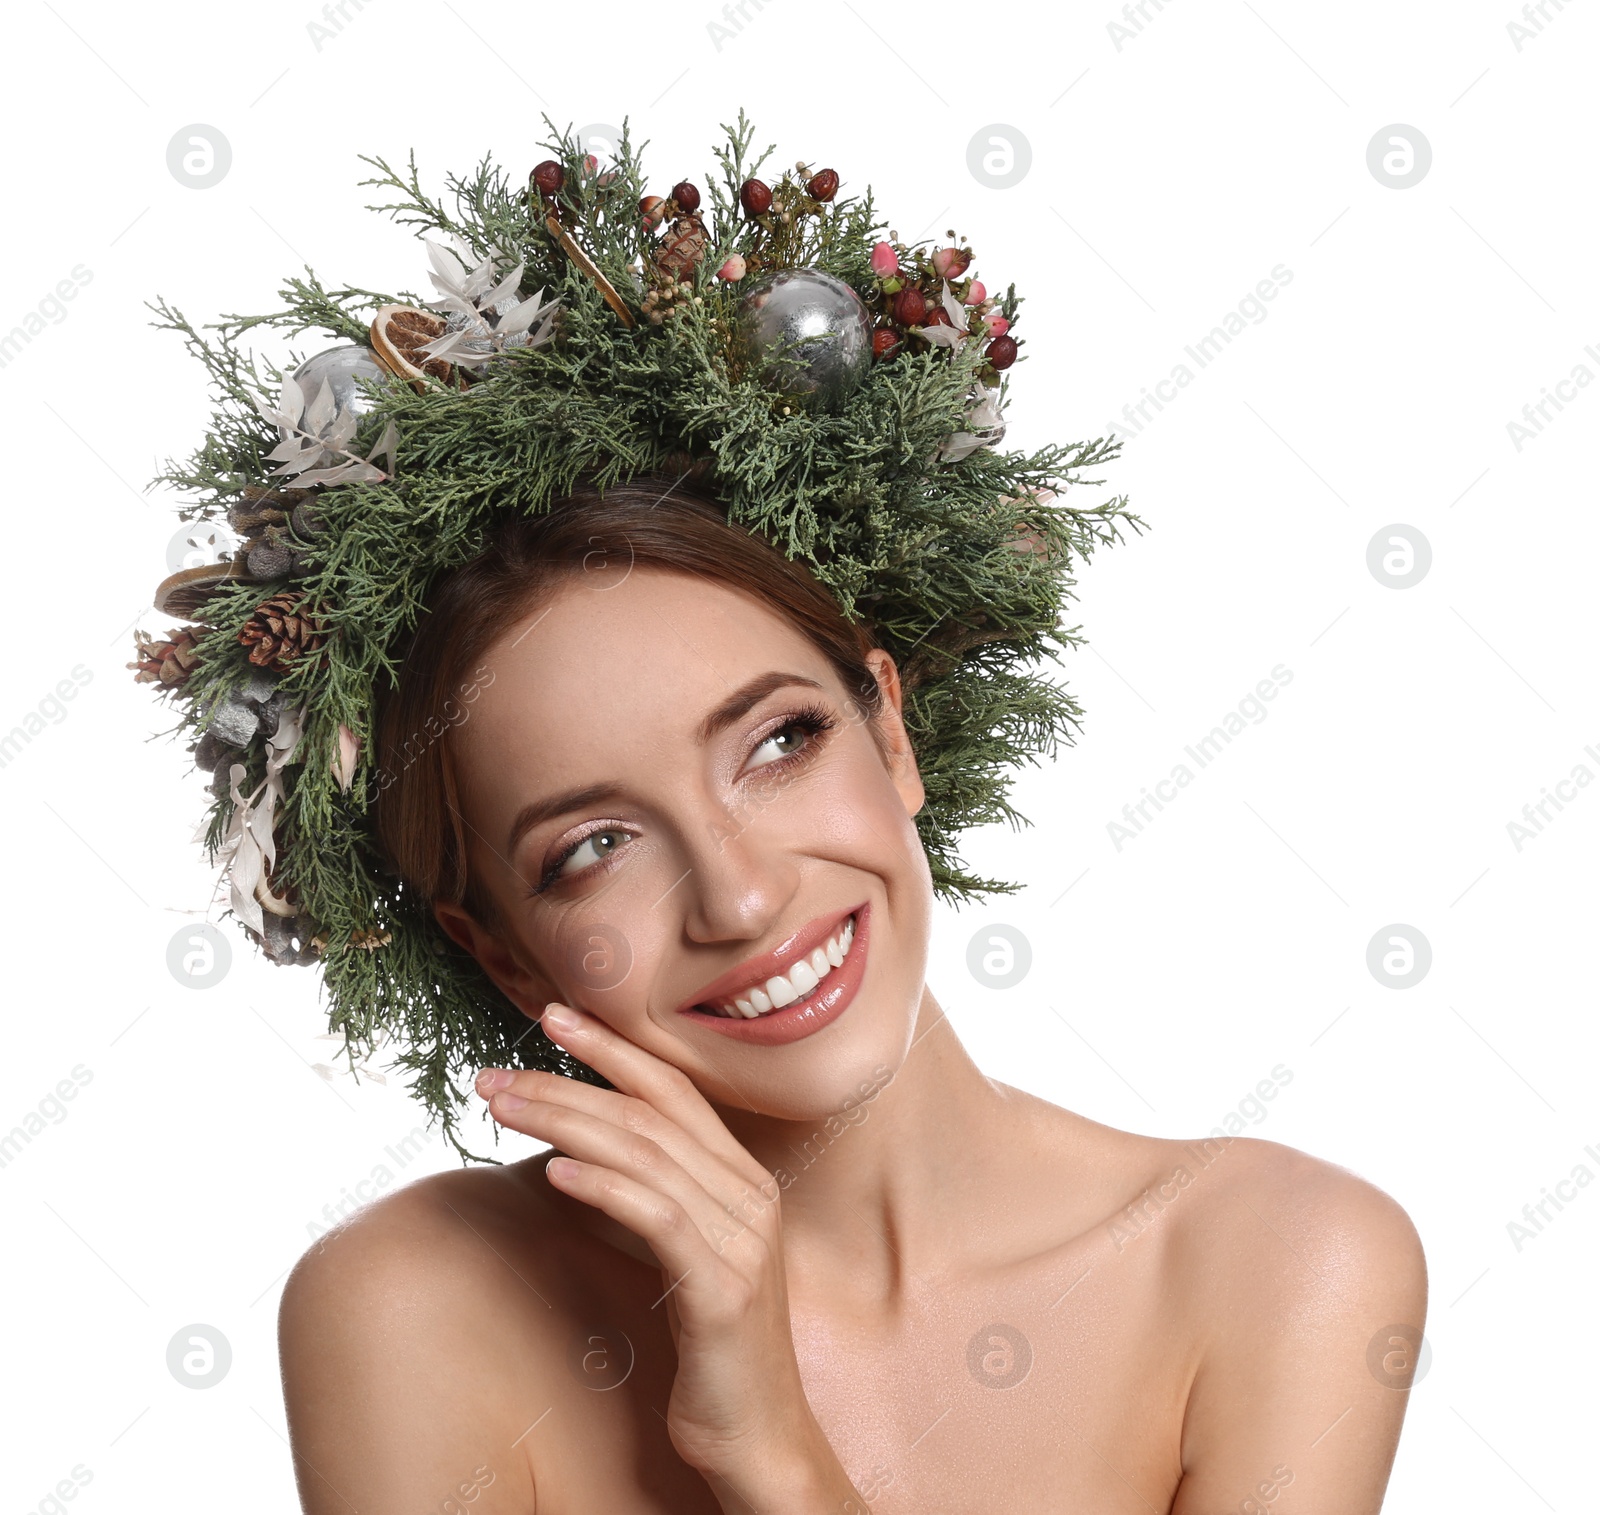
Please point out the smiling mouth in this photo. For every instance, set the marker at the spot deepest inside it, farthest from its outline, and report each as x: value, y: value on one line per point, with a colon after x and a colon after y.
x: 806, y: 977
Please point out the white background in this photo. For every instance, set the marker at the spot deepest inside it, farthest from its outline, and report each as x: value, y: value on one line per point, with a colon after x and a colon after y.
x: 1168, y: 175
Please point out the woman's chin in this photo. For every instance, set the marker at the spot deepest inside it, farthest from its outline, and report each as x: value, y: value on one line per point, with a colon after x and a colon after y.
x: 836, y: 1088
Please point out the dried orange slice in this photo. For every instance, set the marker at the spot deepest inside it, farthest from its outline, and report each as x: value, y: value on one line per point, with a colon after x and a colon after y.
x: 185, y: 592
x: 398, y: 334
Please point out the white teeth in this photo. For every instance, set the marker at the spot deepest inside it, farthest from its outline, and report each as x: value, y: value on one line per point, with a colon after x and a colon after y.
x: 800, y: 981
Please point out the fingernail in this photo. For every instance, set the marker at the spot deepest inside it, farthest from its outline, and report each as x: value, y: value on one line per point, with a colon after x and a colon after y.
x: 560, y: 1018
x: 509, y: 1101
x: 494, y: 1078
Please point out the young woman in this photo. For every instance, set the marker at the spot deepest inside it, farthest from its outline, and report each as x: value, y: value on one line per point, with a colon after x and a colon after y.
x: 803, y: 1256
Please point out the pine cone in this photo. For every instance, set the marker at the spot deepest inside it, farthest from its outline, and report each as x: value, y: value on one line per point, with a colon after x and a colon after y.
x: 683, y: 247
x: 167, y: 663
x: 281, y: 631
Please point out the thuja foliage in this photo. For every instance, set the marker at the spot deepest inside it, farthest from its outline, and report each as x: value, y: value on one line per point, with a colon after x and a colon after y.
x: 962, y: 569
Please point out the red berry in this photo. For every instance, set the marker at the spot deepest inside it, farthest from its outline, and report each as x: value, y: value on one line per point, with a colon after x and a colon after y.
x: 1001, y: 352
x: 823, y: 184
x: 755, y: 197
x: 910, y: 309
x: 687, y: 196
x: 885, y: 341
x: 938, y: 316
x: 549, y: 176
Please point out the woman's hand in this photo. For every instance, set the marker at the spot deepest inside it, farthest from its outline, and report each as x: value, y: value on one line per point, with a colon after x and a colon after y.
x: 655, y: 1156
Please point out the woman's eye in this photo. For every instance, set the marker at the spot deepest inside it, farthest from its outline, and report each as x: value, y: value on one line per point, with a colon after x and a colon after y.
x: 594, y: 848
x: 784, y: 742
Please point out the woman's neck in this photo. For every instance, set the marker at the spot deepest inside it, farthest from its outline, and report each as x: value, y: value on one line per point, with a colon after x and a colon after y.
x: 886, y: 1191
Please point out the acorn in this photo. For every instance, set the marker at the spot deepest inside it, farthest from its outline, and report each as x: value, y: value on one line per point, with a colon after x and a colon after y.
x: 549, y: 176
x: 823, y: 184
x: 687, y: 196
x: 755, y: 197
x: 653, y: 209
x: 910, y: 309
x: 1001, y: 352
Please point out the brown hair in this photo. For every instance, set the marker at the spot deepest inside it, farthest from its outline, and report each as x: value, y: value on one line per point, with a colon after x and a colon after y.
x: 648, y: 522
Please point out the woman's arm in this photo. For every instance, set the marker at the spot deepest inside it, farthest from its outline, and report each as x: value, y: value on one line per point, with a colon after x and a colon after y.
x: 398, y: 1391
x: 1317, y: 1292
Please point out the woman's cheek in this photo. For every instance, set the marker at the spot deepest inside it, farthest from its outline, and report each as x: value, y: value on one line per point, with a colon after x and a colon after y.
x: 597, y: 948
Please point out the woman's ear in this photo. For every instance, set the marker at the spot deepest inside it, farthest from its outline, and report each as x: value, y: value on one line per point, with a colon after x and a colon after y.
x: 892, y: 736
x: 525, y: 987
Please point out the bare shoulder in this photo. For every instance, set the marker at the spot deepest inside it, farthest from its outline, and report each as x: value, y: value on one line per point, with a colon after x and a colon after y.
x: 1307, y: 1290
x: 1277, y: 1219
x: 403, y: 1337
x: 405, y: 1242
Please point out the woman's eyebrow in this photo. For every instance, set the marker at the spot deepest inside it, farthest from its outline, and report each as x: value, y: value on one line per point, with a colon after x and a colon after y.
x: 745, y: 698
x: 535, y: 812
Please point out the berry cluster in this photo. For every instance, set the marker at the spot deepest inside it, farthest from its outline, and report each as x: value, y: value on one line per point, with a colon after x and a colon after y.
x: 920, y: 291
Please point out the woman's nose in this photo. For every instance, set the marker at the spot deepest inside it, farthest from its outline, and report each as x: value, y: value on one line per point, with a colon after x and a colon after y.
x: 740, y: 880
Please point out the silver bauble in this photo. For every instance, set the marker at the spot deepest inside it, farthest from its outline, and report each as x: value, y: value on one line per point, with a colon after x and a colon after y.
x: 341, y: 367
x: 824, y: 316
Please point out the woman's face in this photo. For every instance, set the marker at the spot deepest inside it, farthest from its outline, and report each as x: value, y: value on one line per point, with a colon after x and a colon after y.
x: 676, y: 807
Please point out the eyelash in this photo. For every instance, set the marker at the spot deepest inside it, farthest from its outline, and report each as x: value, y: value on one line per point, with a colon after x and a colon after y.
x: 812, y: 719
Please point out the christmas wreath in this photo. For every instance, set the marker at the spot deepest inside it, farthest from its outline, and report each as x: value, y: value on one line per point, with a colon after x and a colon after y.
x: 838, y: 391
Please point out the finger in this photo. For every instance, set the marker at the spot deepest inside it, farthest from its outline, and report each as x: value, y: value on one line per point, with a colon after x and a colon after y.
x: 640, y: 1073
x: 665, y: 1225
x: 731, y: 1187
x: 593, y: 1139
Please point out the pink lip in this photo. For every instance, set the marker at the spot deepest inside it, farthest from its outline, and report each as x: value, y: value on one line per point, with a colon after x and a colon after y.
x: 805, y: 1017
